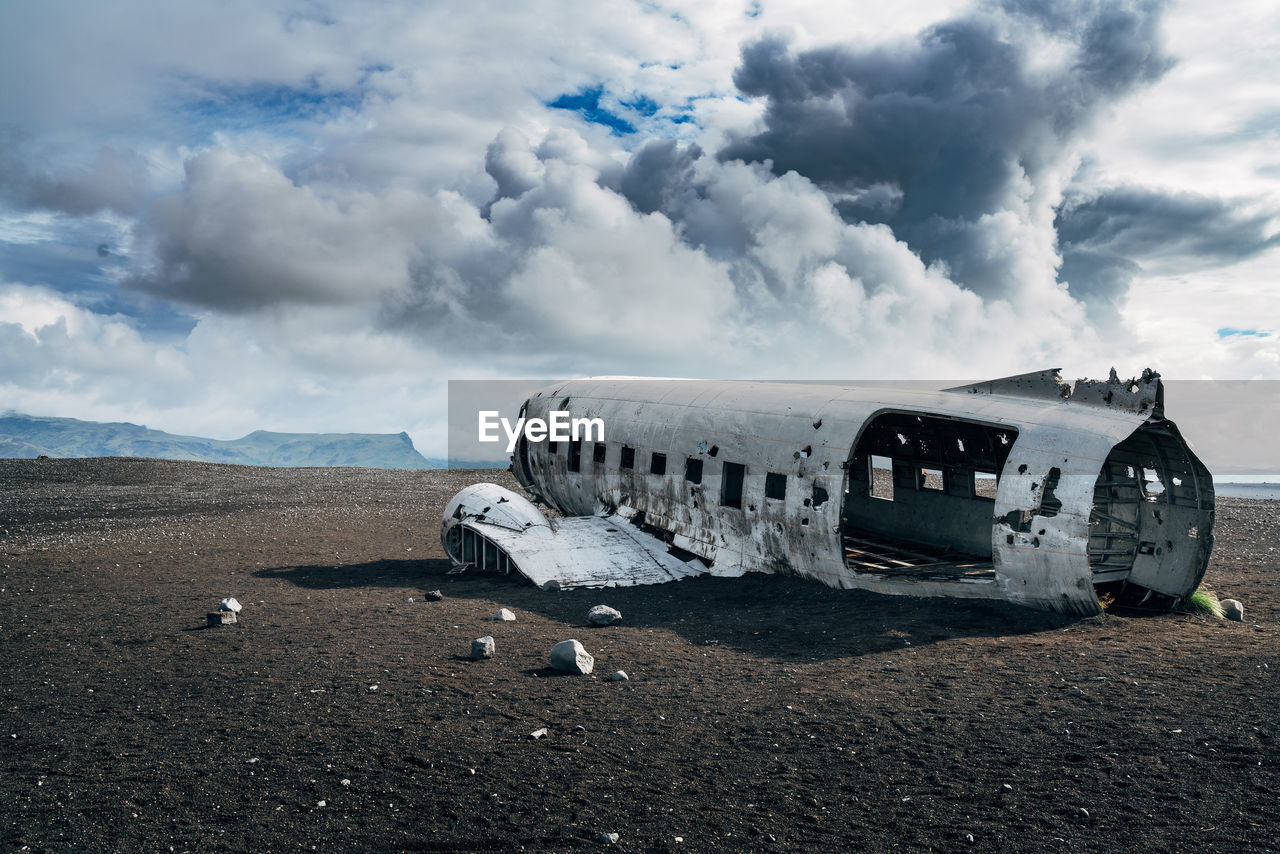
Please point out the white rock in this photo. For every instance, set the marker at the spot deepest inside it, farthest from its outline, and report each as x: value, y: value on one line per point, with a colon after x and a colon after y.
x: 322, y: 803
x: 570, y: 657
x: 504, y: 615
x: 482, y: 647
x: 619, y: 676
x: 603, y: 615
x: 538, y: 733
x: 1233, y: 609
x: 230, y: 604
x: 608, y: 838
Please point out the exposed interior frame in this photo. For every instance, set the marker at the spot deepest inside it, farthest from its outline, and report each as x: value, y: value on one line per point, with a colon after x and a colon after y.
x: 1153, y: 506
x: 469, y: 549
x: 919, y: 496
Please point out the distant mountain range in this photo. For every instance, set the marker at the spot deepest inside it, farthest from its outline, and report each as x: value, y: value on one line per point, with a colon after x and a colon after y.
x: 28, y: 437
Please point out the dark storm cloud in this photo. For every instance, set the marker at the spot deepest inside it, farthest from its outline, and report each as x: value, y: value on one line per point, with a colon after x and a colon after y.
x: 963, y: 122
x: 113, y: 179
x: 658, y: 172
x: 1149, y: 224
x: 1106, y: 239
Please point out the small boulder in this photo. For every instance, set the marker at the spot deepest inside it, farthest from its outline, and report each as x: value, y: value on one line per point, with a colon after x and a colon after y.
x: 230, y: 604
x: 1232, y: 609
x: 221, y: 618
x: 504, y: 615
x: 570, y: 657
x: 609, y: 838
x: 619, y: 676
x: 482, y: 647
x: 603, y: 615
x: 434, y: 596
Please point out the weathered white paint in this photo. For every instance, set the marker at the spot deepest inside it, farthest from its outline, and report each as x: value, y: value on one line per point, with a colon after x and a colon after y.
x: 807, y: 433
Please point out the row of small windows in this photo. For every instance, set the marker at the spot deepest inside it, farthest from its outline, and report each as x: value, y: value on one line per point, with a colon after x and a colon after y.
x: 885, y: 474
x: 733, y: 475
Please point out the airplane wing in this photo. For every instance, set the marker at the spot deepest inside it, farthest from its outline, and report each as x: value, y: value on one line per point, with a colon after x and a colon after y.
x: 489, y: 527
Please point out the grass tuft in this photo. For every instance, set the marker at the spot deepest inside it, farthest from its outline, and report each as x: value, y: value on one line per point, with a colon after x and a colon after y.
x: 1203, y: 601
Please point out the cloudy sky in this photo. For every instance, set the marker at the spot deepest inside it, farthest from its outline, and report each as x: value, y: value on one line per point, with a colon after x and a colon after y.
x: 309, y: 216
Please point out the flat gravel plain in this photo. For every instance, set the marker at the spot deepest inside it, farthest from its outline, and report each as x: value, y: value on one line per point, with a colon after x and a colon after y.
x: 767, y: 713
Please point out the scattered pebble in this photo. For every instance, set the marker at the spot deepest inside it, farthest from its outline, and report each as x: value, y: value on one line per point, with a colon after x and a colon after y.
x: 230, y: 604
x: 504, y: 615
x: 1075, y: 691
x: 538, y: 733
x: 608, y: 838
x: 1007, y: 787
x: 619, y: 676
x: 1233, y: 609
x: 570, y: 657
x: 346, y: 782
x: 603, y: 615
x: 1084, y: 812
x: 482, y: 648
x: 968, y: 837
x: 322, y: 803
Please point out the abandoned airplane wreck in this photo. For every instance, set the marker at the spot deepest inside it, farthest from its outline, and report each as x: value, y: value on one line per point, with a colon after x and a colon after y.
x: 1026, y: 489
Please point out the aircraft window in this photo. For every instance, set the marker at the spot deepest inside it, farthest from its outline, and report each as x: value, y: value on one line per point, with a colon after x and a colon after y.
x: 731, y: 480
x: 693, y: 470
x: 657, y: 463
x: 628, y: 457
x: 984, y: 484
x: 575, y: 455
x: 931, y: 479
x: 597, y: 454
x: 775, y: 485
x: 881, y: 477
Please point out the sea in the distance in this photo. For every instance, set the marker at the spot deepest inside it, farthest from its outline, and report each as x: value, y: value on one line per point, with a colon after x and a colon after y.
x: 1247, y: 486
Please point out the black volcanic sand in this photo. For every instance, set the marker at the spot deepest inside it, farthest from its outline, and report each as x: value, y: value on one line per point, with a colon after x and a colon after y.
x: 764, y: 713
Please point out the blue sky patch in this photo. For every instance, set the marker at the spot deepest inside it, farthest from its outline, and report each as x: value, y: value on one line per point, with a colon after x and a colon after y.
x: 1230, y: 331
x: 587, y: 104
x: 240, y: 107
x: 642, y: 104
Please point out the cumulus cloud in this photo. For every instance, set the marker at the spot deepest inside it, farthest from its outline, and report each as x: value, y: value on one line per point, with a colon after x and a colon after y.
x: 1110, y: 236
x: 331, y: 212
x: 111, y: 179
x: 961, y: 138
x: 241, y: 235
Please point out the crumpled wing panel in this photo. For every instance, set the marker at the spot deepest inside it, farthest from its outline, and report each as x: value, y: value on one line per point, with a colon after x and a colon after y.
x: 589, y: 551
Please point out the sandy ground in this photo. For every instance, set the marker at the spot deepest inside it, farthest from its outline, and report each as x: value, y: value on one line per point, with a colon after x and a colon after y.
x: 763, y: 714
